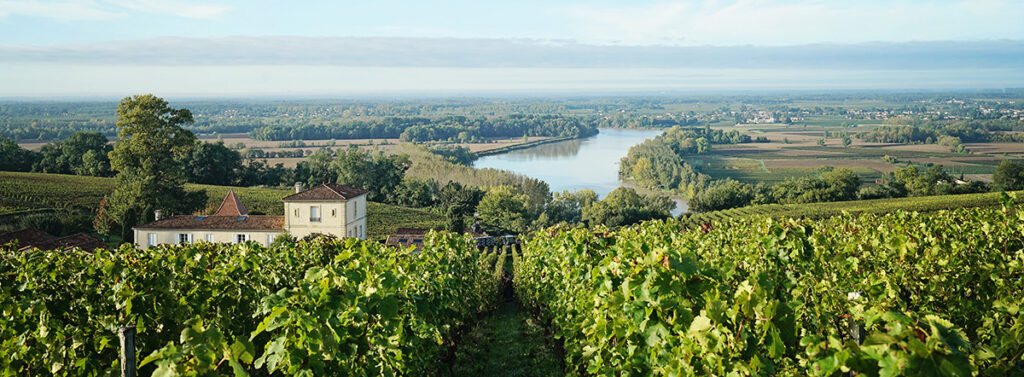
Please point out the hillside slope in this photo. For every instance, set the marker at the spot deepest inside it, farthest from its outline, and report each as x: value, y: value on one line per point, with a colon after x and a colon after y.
x: 24, y: 193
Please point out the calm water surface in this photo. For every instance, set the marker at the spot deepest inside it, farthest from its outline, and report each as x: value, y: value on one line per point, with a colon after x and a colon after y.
x: 572, y: 165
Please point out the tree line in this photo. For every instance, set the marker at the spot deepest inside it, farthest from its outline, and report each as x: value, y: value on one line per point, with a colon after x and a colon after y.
x: 830, y: 185
x: 419, y: 129
x: 660, y: 163
x: 905, y: 130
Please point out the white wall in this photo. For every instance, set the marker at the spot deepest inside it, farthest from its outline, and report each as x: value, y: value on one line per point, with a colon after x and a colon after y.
x: 337, y: 218
x: 170, y: 236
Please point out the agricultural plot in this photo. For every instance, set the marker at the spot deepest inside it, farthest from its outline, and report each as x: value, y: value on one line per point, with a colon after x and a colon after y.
x: 794, y: 152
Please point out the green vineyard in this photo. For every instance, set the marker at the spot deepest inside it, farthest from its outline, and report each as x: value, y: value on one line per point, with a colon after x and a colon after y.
x: 326, y: 307
x: 875, y: 206
x: 877, y: 295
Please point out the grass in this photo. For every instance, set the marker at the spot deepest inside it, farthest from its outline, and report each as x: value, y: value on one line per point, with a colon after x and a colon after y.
x: 25, y: 193
x: 507, y: 342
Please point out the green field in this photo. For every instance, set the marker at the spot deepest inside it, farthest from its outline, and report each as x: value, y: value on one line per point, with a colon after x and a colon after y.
x: 25, y: 193
x: 874, y: 206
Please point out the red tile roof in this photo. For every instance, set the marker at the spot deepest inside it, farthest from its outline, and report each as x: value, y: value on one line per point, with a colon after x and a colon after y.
x: 327, y: 191
x: 256, y: 222
x: 231, y: 206
x: 37, y: 239
x: 26, y: 237
x: 81, y: 240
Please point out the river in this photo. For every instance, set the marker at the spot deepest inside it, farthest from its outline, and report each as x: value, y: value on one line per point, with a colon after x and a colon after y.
x: 572, y: 165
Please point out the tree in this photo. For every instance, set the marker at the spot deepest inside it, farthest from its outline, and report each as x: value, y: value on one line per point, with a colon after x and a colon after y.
x: 15, y: 158
x: 457, y: 202
x: 841, y: 184
x: 316, y: 169
x: 727, y: 194
x: 415, y: 193
x: 378, y: 173
x: 624, y: 206
x: 821, y: 142
x: 504, y: 207
x: 212, y: 164
x: 847, y: 141
x: 1009, y: 176
x: 150, y: 143
x: 83, y: 153
x: 454, y: 154
x: 567, y: 207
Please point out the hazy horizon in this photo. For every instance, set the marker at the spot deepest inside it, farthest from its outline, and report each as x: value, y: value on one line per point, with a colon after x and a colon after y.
x: 79, y: 48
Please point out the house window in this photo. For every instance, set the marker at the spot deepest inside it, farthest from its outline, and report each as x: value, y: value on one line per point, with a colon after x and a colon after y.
x: 184, y: 238
x: 296, y: 212
x: 314, y: 214
x: 209, y: 237
x: 270, y: 239
x: 240, y: 238
x: 355, y: 210
x: 152, y: 239
x: 334, y: 213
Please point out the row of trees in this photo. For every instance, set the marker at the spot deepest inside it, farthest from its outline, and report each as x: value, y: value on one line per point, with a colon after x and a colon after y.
x: 419, y: 129
x: 83, y: 153
x: 905, y: 130
x: 508, y: 209
x: 830, y: 185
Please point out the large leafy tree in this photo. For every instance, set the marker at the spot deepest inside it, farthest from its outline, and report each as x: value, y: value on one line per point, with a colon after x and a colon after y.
x: 505, y: 208
x: 83, y: 153
x: 14, y: 158
x: 212, y: 164
x: 457, y: 202
x: 316, y: 169
x: 567, y: 207
x: 1009, y: 175
x: 151, y: 141
x: 377, y: 173
x: 624, y: 206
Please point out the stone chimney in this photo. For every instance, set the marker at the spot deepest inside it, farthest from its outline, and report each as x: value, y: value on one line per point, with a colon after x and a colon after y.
x: 158, y: 214
x: 298, y: 187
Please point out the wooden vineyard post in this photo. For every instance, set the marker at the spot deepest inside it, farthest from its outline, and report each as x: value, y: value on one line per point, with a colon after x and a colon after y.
x: 856, y: 330
x: 127, y: 336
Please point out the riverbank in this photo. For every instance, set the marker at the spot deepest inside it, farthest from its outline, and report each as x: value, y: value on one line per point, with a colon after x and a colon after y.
x: 576, y: 164
x: 528, y: 144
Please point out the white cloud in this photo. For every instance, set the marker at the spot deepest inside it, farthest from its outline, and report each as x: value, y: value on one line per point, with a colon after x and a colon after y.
x: 777, y: 22
x: 174, y: 7
x: 109, y: 9
x: 60, y: 10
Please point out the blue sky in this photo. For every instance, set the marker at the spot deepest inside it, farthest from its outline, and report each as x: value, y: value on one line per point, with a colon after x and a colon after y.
x: 695, y: 22
x: 92, y: 38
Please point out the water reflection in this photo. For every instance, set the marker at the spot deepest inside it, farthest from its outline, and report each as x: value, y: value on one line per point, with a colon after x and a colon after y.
x: 576, y: 164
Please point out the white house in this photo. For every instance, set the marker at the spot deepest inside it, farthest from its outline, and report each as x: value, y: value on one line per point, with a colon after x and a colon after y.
x: 330, y: 209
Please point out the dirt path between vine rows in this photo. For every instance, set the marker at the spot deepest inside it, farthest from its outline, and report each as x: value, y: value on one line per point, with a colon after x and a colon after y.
x: 508, y: 342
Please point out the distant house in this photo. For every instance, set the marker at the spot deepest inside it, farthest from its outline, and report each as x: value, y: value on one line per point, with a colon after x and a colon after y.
x: 29, y: 239
x: 330, y: 209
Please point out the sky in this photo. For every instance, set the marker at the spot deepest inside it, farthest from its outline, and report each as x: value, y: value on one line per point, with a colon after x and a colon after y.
x: 318, y: 47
